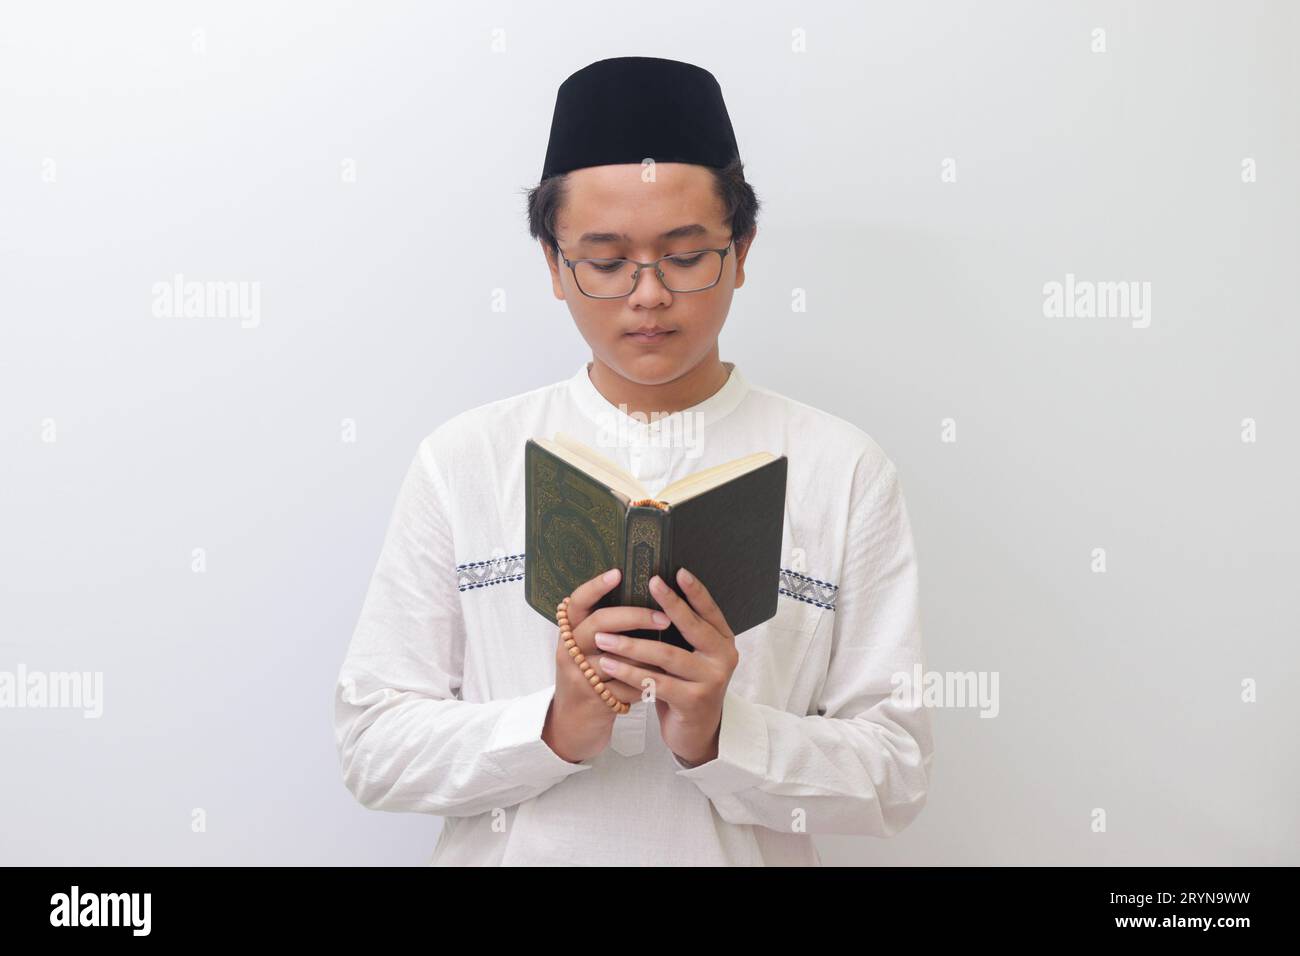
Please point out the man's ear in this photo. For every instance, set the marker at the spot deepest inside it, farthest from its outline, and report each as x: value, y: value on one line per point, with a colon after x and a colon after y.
x: 742, y: 250
x: 552, y: 263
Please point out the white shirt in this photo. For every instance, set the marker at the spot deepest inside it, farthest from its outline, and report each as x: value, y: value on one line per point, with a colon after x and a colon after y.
x: 442, y: 697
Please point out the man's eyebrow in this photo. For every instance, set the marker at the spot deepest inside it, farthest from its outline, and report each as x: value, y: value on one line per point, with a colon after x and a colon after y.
x: 681, y: 232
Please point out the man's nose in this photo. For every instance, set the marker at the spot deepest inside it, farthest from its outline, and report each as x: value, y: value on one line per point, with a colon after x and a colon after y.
x: 650, y: 289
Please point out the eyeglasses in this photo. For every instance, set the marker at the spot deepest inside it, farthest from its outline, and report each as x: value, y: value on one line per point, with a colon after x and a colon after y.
x: 679, y: 272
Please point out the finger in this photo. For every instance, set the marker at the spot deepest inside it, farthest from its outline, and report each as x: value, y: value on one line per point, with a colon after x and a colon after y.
x: 665, y: 686
x: 594, y: 657
x: 702, y: 601
x: 589, y: 592
x: 586, y: 643
x: 625, y: 619
x: 653, y: 655
x: 627, y: 694
x: 604, y: 680
x: 697, y: 631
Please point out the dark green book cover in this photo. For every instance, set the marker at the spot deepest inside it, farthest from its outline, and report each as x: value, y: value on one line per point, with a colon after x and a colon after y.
x: 729, y: 536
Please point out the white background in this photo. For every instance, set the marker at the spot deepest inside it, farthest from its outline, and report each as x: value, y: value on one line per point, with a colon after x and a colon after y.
x: 1119, y: 691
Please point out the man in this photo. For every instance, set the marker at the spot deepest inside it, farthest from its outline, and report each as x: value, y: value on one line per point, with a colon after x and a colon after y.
x: 456, y: 699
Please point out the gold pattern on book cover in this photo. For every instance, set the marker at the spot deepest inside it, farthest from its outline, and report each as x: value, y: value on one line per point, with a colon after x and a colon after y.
x: 577, y: 524
x: 643, y: 544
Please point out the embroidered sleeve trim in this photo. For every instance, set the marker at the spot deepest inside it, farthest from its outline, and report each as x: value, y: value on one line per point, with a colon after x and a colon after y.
x: 482, y: 574
x: 803, y: 588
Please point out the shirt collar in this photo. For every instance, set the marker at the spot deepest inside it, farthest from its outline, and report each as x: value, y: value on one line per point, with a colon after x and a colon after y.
x: 702, y: 414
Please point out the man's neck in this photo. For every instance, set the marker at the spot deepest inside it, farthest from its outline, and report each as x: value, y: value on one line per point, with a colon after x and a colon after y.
x: 691, y: 388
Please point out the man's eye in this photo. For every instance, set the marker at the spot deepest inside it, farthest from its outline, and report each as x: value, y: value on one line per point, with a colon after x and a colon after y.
x: 687, y: 261
x: 607, y: 266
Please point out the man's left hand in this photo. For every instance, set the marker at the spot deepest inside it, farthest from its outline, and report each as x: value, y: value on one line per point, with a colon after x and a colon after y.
x: 690, y: 691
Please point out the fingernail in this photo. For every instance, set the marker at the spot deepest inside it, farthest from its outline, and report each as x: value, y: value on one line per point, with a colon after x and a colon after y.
x: 611, y: 576
x: 660, y: 618
x: 608, y: 664
x: 604, y: 640
x: 685, y: 576
x: 656, y: 583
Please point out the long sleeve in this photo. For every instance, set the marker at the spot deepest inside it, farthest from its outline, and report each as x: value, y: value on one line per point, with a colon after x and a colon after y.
x: 406, y: 742
x: 861, y: 763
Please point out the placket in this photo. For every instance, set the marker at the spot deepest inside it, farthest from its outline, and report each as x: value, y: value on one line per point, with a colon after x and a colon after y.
x: 648, y: 460
x: 628, y: 737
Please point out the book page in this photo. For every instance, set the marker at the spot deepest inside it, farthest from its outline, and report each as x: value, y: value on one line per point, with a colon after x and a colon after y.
x: 589, y: 453
x: 702, y: 481
x: 602, y: 469
x: 598, y: 466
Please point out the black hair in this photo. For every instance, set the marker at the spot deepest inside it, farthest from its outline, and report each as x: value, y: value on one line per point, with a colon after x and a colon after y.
x: 739, y: 204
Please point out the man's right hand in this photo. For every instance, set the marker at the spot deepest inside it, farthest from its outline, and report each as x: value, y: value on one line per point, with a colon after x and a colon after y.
x: 579, y: 723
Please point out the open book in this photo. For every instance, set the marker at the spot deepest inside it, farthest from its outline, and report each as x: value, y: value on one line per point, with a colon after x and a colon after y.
x: 585, y: 515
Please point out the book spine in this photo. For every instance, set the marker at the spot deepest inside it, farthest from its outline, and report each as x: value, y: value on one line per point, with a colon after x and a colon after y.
x: 531, y: 588
x: 666, y: 570
x: 645, y: 554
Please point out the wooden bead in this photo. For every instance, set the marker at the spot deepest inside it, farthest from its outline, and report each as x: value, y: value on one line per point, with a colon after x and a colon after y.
x: 593, y: 678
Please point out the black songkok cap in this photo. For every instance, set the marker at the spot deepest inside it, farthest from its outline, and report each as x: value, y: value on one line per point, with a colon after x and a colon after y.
x: 630, y: 108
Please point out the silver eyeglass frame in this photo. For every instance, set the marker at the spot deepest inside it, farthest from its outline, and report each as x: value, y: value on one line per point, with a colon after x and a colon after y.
x: 573, y: 263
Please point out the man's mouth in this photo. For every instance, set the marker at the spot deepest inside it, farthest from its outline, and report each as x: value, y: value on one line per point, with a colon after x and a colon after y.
x: 650, y: 335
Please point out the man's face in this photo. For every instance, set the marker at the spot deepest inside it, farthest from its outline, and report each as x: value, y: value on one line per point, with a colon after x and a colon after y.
x: 610, y: 212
